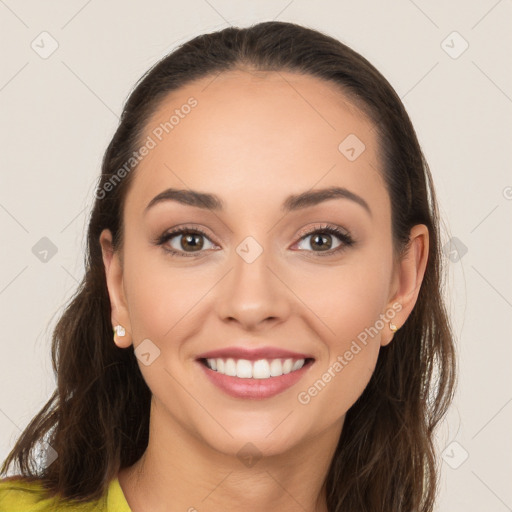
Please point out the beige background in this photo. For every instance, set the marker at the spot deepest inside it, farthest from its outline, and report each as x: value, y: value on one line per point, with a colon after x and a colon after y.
x: 59, y: 113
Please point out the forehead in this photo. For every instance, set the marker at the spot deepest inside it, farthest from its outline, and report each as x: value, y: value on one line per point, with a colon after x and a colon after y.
x: 261, y: 135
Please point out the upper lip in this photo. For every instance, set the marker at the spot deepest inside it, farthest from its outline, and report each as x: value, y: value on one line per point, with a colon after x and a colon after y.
x: 253, y: 354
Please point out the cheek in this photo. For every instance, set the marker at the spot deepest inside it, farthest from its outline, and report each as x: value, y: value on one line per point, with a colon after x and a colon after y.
x: 344, y: 300
x: 158, y: 296
x: 337, y: 386
x: 347, y: 303
x: 352, y: 343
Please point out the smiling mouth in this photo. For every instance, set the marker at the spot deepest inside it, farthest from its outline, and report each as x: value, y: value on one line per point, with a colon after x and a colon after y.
x: 259, y: 369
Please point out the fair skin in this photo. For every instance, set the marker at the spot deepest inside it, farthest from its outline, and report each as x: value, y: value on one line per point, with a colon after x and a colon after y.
x: 253, y: 140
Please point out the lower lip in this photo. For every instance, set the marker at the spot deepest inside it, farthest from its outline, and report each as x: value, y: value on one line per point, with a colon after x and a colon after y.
x: 256, y: 389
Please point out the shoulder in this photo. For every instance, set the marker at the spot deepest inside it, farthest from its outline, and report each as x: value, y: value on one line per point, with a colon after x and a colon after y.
x: 22, y: 495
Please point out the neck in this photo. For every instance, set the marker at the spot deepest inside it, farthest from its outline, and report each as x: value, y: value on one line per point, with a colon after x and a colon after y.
x: 180, y: 472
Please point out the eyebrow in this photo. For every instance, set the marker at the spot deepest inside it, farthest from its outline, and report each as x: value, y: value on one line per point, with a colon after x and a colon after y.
x: 292, y: 203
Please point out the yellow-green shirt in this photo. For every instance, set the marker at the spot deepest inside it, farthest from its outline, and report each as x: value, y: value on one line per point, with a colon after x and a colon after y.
x: 17, y: 495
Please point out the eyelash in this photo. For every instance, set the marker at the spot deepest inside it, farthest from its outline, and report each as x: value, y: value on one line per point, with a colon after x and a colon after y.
x: 345, y: 238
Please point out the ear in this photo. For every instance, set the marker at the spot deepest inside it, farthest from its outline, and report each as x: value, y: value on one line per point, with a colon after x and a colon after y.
x: 114, y: 276
x: 407, y: 279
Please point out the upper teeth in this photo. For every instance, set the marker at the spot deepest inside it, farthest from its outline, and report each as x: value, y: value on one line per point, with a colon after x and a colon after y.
x: 260, y: 369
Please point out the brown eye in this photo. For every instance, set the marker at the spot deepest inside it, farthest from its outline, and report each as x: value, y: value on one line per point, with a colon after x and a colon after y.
x: 321, y: 240
x: 184, y: 242
x: 192, y: 241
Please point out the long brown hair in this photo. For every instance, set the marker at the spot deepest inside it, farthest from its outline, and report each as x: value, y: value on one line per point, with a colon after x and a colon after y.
x: 98, y: 417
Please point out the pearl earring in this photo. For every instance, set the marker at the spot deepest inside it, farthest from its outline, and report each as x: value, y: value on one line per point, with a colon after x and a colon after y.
x: 393, y: 327
x: 119, y: 330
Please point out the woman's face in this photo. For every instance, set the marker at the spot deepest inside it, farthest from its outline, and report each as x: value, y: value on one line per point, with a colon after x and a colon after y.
x: 257, y: 277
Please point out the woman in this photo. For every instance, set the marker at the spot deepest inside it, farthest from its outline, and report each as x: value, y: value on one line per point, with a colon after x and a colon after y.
x: 265, y: 246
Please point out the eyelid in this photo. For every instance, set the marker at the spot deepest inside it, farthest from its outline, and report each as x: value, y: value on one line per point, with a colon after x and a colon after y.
x: 180, y: 229
x: 319, y: 226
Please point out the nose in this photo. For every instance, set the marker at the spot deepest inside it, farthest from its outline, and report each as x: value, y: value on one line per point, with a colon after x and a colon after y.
x: 254, y: 294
